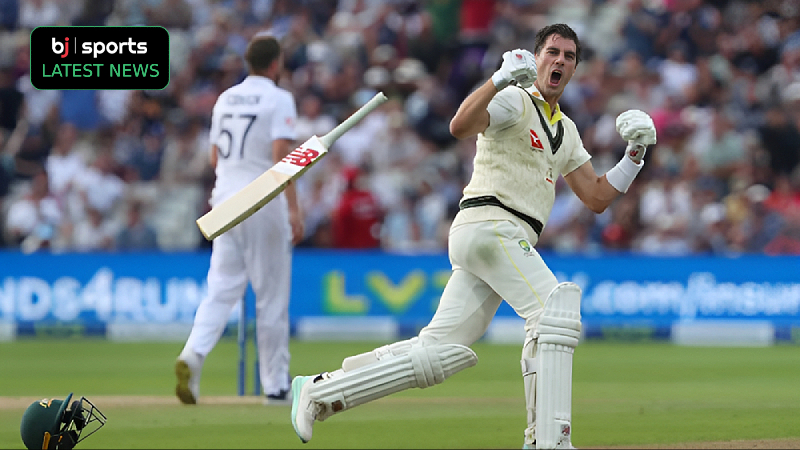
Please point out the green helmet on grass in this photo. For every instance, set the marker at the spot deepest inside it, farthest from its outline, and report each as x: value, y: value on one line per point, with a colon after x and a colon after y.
x: 51, y: 424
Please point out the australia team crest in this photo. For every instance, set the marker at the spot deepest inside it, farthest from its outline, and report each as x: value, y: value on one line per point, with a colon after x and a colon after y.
x: 526, y: 247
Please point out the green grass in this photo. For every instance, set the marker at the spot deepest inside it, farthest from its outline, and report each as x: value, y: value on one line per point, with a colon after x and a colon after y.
x: 624, y: 394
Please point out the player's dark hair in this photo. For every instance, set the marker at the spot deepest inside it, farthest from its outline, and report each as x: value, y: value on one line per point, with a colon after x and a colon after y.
x: 562, y: 30
x: 261, y: 52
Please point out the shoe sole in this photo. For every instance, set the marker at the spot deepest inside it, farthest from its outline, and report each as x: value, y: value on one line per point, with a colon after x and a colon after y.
x: 182, y: 390
x: 297, y: 386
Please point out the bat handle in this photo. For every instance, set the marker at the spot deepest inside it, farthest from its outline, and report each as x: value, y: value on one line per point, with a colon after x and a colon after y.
x: 331, y: 137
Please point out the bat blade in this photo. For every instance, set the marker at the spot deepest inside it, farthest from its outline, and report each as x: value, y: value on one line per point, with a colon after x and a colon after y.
x: 260, y: 191
x: 268, y: 185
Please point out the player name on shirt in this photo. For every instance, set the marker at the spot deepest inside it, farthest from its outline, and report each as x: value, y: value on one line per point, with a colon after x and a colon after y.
x: 243, y: 99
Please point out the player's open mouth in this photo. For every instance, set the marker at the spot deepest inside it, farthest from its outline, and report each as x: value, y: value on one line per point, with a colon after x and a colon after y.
x: 555, y: 78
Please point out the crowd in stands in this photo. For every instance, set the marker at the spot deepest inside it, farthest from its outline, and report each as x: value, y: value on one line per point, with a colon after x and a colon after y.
x: 126, y: 170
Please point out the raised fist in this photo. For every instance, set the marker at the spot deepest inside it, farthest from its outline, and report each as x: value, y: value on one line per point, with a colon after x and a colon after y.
x: 518, y: 65
x: 638, y: 129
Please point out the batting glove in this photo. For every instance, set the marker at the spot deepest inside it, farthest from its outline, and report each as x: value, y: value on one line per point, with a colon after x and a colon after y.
x: 638, y: 129
x: 518, y: 65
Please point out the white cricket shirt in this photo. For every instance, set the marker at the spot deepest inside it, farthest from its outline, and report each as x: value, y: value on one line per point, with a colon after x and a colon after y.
x: 515, y: 161
x: 246, y: 119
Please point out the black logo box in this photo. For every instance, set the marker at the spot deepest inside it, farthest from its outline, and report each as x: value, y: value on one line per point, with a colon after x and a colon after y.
x: 117, y: 67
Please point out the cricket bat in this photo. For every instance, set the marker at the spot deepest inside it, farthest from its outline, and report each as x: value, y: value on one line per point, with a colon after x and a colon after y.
x: 268, y: 185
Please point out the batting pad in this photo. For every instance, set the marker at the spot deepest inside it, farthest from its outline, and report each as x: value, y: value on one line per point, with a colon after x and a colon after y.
x: 559, y: 333
x: 420, y: 366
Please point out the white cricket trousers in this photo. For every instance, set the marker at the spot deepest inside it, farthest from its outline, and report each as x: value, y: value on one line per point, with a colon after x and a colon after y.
x: 492, y: 261
x: 257, y: 251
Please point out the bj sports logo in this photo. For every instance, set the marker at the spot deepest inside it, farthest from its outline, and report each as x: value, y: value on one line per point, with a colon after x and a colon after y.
x: 99, y: 58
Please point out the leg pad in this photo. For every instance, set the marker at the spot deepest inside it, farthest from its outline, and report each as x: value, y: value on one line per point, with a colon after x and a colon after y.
x: 420, y: 366
x: 547, y: 369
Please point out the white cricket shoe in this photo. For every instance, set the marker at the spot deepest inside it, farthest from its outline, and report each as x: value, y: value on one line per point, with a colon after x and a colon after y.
x: 303, y: 408
x: 187, y: 370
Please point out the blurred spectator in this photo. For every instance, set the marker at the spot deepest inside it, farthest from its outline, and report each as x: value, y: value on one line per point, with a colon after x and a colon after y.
x: 353, y: 27
x: 300, y: 35
x: 706, y: 191
x: 185, y: 156
x: 356, y: 221
x: 788, y: 241
x: 312, y: 120
x: 665, y: 208
x: 250, y: 13
x: 21, y: 56
x: 785, y: 196
x: 394, y: 156
x: 93, y: 233
x: 145, y: 162
x: 170, y: 14
x: 39, y: 13
x: 785, y: 200
x: 574, y: 236
x: 668, y: 117
x: 93, y: 13
x: 566, y: 207
x: 9, y: 15
x: 100, y: 188
x: 30, y: 153
x: 355, y: 146
x: 41, y: 106
x: 786, y: 71
x: 185, y: 173
x: 641, y: 28
x: 677, y: 73
x: 11, y: 99
x: 781, y: 139
x: 127, y: 13
x: 624, y: 224
x: 435, y: 124
x: 762, y: 225
x: 400, y: 232
x: 114, y: 106
x: 715, y: 236
x: 430, y: 211
x: 445, y: 29
x: 431, y: 36
x: 137, y: 234
x: 727, y: 153
x: 474, y: 34
x: 35, y: 220
x: 81, y: 108
x: 64, y: 165
x: 316, y: 203
x: 707, y: 89
x: 343, y: 87
x: 6, y: 175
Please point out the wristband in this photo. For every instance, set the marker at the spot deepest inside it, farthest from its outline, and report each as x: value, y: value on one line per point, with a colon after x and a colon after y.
x: 499, y: 81
x: 621, y: 176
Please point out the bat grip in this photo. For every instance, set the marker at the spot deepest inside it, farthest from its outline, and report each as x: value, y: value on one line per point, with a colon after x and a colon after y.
x: 331, y: 137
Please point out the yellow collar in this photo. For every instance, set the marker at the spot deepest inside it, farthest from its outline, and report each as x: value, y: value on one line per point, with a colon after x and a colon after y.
x: 554, y: 117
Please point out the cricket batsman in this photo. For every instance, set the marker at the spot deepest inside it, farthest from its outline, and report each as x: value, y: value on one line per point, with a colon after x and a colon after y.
x: 524, y: 142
